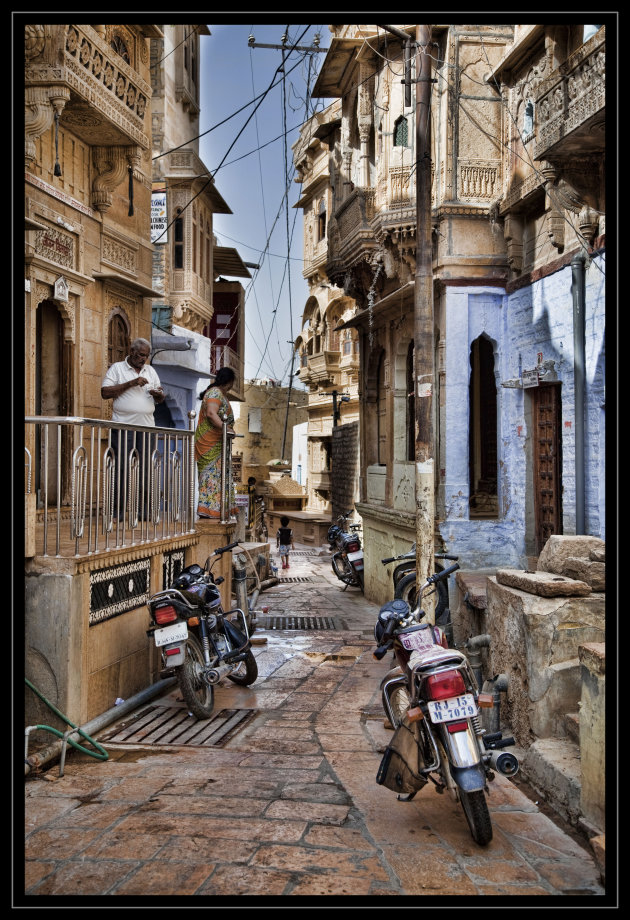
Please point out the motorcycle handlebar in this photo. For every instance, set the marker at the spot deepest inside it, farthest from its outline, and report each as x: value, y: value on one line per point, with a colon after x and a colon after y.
x: 224, y: 549
x: 386, y: 639
x: 438, y: 576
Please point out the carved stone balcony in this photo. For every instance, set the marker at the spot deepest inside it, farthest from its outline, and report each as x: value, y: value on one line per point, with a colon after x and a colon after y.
x: 323, y: 368
x: 350, y: 234
x: 106, y: 98
x: 571, y: 104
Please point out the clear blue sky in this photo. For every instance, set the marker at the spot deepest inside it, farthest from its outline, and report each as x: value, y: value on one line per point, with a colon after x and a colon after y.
x: 257, y: 160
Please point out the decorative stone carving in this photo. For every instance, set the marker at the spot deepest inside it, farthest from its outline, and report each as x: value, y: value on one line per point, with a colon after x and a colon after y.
x: 111, y: 164
x: 40, y: 105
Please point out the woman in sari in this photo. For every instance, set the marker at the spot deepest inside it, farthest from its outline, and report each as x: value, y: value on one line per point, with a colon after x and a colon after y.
x: 215, y: 409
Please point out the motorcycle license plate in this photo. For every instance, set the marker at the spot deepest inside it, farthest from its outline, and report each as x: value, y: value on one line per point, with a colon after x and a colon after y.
x: 420, y: 640
x: 352, y: 557
x: 456, y: 707
x: 175, y: 633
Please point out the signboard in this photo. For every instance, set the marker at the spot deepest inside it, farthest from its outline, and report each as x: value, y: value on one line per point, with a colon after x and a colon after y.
x: 530, y: 378
x: 159, y: 233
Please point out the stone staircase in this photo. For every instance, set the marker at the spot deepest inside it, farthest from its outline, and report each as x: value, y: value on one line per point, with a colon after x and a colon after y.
x: 552, y: 650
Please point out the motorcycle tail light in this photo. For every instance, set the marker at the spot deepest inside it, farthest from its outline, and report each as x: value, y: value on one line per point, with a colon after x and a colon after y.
x: 353, y: 547
x: 445, y: 684
x: 456, y: 727
x: 164, y: 615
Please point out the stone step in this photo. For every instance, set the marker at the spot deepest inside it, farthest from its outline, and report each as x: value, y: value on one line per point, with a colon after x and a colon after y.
x: 552, y: 767
x: 572, y: 726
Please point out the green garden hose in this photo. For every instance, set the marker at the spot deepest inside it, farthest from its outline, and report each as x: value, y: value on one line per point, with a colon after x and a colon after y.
x: 99, y: 754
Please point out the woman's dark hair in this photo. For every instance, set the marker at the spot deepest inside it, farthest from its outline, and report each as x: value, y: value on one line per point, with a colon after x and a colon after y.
x: 224, y: 375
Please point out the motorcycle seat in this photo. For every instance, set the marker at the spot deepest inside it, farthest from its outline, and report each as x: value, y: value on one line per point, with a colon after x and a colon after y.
x: 436, y: 655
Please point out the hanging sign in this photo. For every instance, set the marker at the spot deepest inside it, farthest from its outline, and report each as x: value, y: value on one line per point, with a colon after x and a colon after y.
x: 159, y: 232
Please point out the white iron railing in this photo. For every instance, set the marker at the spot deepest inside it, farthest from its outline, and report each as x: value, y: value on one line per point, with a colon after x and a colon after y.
x: 102, y: 485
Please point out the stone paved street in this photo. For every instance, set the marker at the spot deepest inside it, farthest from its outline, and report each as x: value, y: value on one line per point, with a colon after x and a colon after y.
x: 286, y: 804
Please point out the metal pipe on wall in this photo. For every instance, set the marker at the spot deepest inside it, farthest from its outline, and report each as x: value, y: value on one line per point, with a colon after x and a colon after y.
x: 578, y: 272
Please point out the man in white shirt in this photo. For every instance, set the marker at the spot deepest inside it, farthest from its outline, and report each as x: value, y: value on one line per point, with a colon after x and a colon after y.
x: 135, y: 388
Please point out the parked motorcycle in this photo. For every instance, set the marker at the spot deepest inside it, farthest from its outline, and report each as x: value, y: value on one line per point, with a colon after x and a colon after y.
x: 432, y: 700
x: 347, y: 558
x: 199, y: 642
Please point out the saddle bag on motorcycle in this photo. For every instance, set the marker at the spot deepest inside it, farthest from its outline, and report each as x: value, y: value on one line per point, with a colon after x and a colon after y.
x: 402, y: 760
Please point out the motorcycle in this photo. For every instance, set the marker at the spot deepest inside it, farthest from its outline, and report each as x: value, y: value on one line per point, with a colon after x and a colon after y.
x: 432, y: 701
x: 347, y: 558
x: 199, y: 642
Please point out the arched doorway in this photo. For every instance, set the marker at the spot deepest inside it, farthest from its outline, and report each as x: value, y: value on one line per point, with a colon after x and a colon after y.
x: 53, y: 397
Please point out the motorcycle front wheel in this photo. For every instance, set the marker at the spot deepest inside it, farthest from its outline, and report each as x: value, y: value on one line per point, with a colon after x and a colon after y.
x: 478, y: 816
x: 407, y: 590
x: 246, y: 672
x: 198, y: 695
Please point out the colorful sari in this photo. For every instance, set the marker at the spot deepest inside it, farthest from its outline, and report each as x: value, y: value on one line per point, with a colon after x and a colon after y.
x: 208, y: 444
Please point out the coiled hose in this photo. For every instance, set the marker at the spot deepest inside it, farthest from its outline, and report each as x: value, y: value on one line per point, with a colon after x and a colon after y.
x: 99, y: 754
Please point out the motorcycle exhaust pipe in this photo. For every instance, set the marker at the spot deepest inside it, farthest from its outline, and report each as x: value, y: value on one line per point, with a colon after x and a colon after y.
x: 504, y: 762
x: 214, y: 675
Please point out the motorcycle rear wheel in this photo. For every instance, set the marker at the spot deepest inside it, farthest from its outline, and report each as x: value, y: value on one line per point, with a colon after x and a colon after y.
x: 399, y: 702
x: 198, y: 695
x: 478, y: 816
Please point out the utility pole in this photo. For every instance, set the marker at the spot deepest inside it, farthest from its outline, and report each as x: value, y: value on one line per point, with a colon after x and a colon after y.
x: 423, y: 306
x: 423, y: 322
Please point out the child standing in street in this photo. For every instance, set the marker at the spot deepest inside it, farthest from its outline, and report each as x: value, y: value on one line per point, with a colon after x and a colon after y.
x: 284, y: 541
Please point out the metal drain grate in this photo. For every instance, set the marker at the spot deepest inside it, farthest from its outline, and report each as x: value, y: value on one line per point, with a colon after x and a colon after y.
x: 297, y: 622
x: 167, y: 725
x: 297, y: 578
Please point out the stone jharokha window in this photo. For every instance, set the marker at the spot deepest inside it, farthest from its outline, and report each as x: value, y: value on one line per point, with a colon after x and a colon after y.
x: 117, y: 340
x: 401, y: 132
x: 528, y: 119
x: 482, y: 455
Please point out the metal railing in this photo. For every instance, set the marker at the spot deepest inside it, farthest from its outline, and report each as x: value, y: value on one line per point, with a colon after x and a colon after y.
x: 102, y: 485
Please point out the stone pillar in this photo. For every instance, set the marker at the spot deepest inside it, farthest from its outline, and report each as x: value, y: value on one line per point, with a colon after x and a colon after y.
x: 592, y: 733
x: 213, y: 534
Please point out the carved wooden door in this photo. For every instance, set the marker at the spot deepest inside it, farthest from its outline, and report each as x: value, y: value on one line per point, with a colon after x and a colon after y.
x: 546, y: 416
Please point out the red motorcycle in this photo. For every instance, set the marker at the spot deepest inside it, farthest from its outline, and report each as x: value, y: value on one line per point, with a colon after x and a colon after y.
x: 432, y: 700
x: 347, y: 558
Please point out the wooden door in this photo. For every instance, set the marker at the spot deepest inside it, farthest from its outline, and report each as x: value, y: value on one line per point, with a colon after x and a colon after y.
x: 546, y: 417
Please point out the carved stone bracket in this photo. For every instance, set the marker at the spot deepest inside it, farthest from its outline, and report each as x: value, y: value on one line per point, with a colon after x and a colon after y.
x: 40, y: 105
x: 112, y: 165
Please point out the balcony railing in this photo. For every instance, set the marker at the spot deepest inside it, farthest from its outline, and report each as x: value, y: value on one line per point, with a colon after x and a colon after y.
x: 98, y: 486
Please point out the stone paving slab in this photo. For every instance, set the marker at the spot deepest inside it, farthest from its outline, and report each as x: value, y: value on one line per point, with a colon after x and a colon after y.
x: 288, y: 806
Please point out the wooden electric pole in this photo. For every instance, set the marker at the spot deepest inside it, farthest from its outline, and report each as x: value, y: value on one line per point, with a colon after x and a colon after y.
x: 423, y: 306
x: 423, y: 322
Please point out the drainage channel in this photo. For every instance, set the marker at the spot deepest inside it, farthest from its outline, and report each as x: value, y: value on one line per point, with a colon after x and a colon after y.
x: 166, y: 725
x: 294, y: 621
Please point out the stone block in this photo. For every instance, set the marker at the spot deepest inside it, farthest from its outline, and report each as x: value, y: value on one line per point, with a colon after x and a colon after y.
x: 559, y: 548
x: 589, y: 571
x: 544, y: 584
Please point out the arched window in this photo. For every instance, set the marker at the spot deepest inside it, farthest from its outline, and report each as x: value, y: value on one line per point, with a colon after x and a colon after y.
x: 381, y: 411
x: 321, y: 221
x: 117, y: 339
x: 411, y: 405
x: 528, y: 119
x: 178, y: 243
x: 482, y: 458
x: 120, y: 48
x: 401, y: 132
